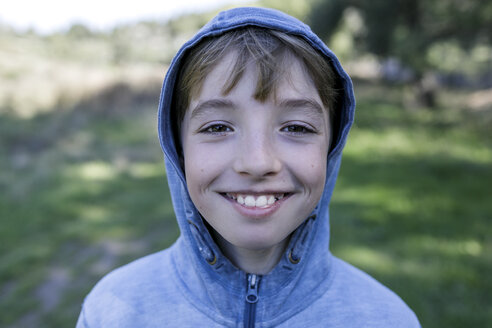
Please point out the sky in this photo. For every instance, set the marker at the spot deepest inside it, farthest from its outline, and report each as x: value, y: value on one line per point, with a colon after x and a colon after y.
x: 46, y: 16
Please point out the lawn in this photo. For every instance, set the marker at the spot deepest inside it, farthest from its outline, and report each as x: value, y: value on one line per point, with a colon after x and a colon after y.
x: 84, y: 191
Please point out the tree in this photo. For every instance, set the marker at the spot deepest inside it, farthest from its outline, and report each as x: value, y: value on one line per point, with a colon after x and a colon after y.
x: 406, y: 29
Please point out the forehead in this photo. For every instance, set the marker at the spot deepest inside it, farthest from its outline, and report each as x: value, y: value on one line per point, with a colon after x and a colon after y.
x: 291, y: 78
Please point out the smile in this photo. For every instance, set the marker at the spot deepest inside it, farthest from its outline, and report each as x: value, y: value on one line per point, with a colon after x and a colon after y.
x: 260, y: 201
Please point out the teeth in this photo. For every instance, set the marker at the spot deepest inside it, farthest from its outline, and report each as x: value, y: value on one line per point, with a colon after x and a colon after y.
x: 260, y: 201
x: 249, y: 201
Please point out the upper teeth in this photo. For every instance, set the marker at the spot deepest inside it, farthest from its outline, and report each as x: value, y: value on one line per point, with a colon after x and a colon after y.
x: 255, y: 201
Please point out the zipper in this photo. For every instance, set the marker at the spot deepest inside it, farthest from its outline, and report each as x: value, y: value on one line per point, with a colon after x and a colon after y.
x: 251, y: 300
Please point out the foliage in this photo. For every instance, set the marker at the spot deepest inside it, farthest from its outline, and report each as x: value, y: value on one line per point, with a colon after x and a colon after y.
x: 299, y: 9
x: 406, y: 29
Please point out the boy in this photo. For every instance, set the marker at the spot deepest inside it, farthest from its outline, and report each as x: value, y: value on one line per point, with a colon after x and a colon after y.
x: 254, y: 113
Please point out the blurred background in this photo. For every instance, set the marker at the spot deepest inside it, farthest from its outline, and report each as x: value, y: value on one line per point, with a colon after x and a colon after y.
x: 82, y: 182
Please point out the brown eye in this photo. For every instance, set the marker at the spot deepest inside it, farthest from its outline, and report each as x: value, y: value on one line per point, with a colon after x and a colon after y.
x: 217, y: 128
x: 297, y: 129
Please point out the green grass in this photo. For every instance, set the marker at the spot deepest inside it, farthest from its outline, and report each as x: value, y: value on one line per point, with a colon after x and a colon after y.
x: 83, y: 193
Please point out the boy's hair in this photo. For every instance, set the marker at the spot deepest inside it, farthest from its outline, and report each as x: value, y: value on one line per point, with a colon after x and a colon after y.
x: 269, y: 50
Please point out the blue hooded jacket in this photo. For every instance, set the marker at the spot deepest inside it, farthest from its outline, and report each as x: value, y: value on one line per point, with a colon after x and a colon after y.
x: 192, y: 284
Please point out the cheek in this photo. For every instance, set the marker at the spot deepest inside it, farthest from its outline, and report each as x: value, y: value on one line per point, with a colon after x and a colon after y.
x: 194, y: 168
x: 310, y: 168
x: 317, y: 173
x: 201, y: 167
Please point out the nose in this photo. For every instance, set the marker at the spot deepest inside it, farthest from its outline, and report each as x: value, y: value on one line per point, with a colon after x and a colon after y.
x: 257, y: 156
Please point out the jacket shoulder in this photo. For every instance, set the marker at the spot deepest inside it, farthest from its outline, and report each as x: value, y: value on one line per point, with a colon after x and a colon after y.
x: 139, y: 275
x: 368, y: 299
x: 126, y: 292
x: 355, y: 299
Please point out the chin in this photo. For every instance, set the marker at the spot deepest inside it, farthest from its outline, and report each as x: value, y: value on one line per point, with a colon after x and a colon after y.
x: 258, y: 241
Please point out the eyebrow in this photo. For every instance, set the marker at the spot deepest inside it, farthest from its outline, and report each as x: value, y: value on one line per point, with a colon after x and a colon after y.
x: 206, y: 106
x: 301, y: 103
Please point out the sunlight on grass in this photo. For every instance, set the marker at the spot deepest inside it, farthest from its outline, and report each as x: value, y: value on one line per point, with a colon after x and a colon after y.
x: 444, y: 247
x: 376, y: 196
x: 95, y: 171
x: 98, y: 171
x: 480, y: 154
x: 412, y: 142
x: 146, y: 170
x: 95, y: 213
x: 372, y: 143
x: 365, y: 257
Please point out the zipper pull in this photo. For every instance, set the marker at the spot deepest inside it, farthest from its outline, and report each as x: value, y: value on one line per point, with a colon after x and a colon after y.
x: 252, y: 294
x: 251, y: 300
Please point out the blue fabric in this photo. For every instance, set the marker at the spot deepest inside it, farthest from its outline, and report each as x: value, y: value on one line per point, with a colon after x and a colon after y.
x: 184, y: 287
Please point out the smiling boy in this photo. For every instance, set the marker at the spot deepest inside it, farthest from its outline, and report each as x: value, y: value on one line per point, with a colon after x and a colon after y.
x: 242, y: 160
x: 254, y: 113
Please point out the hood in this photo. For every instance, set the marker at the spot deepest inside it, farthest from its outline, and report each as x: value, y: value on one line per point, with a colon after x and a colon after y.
x: 200, y: 259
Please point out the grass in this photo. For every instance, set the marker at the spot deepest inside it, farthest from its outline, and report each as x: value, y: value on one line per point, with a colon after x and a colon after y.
x: 84, y: 191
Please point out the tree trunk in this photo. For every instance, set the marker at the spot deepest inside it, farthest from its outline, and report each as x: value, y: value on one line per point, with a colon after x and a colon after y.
x: 426, y: 88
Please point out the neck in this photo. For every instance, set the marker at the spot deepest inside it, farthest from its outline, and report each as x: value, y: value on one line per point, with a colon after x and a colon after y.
x: 257, y: 261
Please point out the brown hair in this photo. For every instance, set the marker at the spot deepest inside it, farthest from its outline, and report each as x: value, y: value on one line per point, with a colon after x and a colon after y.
x: 268, y: 49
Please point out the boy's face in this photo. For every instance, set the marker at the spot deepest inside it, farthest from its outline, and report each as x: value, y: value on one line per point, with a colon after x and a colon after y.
x: 255, y: 170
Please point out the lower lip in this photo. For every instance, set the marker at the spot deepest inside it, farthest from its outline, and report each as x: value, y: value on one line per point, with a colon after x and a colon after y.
x: 257, y: 212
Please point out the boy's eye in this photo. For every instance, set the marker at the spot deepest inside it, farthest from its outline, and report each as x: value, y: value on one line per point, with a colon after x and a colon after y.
x: 297, y: 129
x: 216, y: 128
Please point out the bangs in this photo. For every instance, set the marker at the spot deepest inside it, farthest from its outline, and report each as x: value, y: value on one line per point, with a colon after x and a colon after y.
x: 267, y: 54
